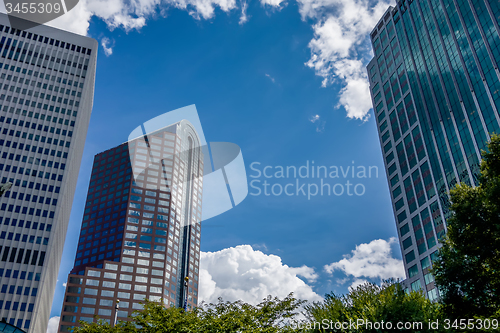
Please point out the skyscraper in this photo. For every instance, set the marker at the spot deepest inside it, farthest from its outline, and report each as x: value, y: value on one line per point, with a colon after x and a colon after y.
x: 435, y: 87
x: 140, y: 234
x: 46, y: 95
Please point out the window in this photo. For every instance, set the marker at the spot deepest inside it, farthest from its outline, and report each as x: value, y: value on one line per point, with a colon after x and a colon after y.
x: 399, y: 204
x: 137, y: 306
x: 404, y: 230
x: 123, y: 295
x: 125, y: 277
x: 416, y: 286
x: 426, y: 263
x: 88, y: 300
x: 141, y: 279
x: 396, y: 192
x: 412, y: 271
x: 434, y: 256
x: 139, y: 297
x: 122, y: 314
x: 145, y: 238
x: 108, y: 293
x: 108, y: 284
x: 157, y: 272
x: 91, y: 282
x: 407, y: 243
x: 104, y: 312
x: 158, y: 263
x: 124, y: 286
x: 138, y: 287
x: 106, y: 302
x: 90, y: 291
x: 141, y: 270
x: 409, y: 257
x: 156, y: 290
x: 93, y: 273
x: 433, y: 295
x: 394, y: 180
x: 86, y: 310
x: 156, y: 281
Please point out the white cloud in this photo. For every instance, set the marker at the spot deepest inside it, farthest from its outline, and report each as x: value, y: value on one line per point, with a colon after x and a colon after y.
x: 320, y: 124
x: 357, y: 283
x: 271, y: 78
x: 108, y: 49
x: 77, y: 20
x: 202, y: 8
x: 341, y: 282
x: 262, y: 246
x: 306, y: 272
x: 355, y: 98
x: 241, y: 273
x: 314, y: 118
x: 272, y: 3
x: 244, y: 16
x: 340, y: 48
x: 372, y: 260
x: 53, y: 325
x: 130, y: 15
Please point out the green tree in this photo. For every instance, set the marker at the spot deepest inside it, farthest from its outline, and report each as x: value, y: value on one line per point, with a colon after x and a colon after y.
x: 270, y: 316
x: 468, y: 268
x: 155, y: 318
x: 103, y: 327
x: 370, y: 303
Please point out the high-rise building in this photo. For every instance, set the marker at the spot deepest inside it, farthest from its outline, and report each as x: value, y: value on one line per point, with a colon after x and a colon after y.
x: 140, y: 233
x: 435, y: 89
x: 46, y: 95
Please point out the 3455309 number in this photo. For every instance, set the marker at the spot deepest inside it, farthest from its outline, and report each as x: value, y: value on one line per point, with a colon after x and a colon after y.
x: 33, y: 8
x: 485, y: 324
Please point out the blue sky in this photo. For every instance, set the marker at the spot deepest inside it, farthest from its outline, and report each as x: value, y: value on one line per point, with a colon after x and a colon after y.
x: 285, y: 82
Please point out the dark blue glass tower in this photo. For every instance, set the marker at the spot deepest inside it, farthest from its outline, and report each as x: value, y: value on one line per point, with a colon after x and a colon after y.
x: 435, y: 86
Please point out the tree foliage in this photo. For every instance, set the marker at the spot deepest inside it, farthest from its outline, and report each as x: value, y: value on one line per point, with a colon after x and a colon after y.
x: 270, y: 316
x: 103, y: 327
x: 468, y: 268
x: 371, y: 303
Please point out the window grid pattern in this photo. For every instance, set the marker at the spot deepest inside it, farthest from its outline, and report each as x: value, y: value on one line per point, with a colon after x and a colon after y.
x: 435, y: 99
x: 137, y: 242
x: 45, y: 87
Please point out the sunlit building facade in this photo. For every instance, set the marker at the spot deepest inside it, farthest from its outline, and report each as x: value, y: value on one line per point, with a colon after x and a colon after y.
x: 435, y: 85
x: 46, y: 94
x: 140, y: 233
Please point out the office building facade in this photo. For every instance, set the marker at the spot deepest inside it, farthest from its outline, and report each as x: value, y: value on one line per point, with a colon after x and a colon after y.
x: 435, y: 87
x: 140, y: 234
x: 47, y: 86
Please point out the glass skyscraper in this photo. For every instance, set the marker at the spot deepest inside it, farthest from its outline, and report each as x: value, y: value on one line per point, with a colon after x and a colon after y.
x: 140, y: 233
x: 435, y: 86
x: 46, y: 95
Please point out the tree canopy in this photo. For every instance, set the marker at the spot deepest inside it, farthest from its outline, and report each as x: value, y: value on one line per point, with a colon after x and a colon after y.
x: 468, y: 268
x: 369, y: 305
x: 272, y: 315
